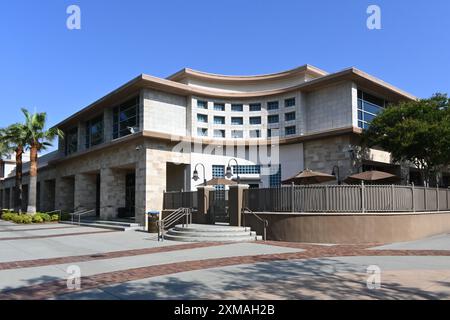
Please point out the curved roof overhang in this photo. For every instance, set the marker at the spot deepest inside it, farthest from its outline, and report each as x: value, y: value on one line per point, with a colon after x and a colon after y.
x: 146, y: 81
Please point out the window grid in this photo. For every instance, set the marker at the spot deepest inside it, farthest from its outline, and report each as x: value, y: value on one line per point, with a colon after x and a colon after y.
x: 219, y: 106
x: 289, y: 102
x: 290, y: 130
x: 237, y: 108
x: 237, y: 120
x: 125, y: 116
x: 255, y: 120
x: 218, y: 171
x: 247, y: 169
x: 255, y: 107
x: 368, y: 108
x: 273, y: 118
x: 289, y: 116
x: 201, y: 104
x: 219, y: 120
x: 272, y: 105
x: 202, y: 118
x: 275, y: 179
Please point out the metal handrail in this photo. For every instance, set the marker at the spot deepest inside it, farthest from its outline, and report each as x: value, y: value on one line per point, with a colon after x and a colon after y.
x: 79, y: 214
x: 172, y: 218
x: 264, y: 221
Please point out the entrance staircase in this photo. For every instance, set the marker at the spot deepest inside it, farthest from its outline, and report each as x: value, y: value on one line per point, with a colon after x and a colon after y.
x: 120, y: 225
x: 210, y: 233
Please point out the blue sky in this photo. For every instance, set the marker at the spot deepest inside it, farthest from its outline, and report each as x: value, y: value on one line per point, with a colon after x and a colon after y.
x: 46, y: 67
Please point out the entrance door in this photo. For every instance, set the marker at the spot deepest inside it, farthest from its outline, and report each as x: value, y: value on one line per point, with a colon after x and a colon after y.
x: 130, y: 189
x: 219, y: 206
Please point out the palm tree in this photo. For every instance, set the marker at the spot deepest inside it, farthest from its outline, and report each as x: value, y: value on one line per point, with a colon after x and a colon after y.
x: 38, y: 138
x: 13, y: 139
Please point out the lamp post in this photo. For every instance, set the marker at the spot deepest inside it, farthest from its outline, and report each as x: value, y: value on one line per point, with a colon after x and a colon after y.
x: 195, y: 177
x: 229, y: 173
x: 335, y: 172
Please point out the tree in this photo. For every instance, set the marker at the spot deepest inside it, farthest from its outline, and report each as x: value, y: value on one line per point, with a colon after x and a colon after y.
x: 14, y: 139
x: 414, y: 131
x: 38, y: 138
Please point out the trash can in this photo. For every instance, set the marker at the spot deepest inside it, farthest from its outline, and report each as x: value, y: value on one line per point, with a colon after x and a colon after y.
x: 152, y: 218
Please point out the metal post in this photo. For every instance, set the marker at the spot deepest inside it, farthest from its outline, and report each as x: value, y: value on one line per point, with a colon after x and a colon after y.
x: 425, y: 197
x: 437, y: 197
x: 292, y: 197
x: 363, y: 198
x: 327, y: 199
x: 413, y: 196
x: 392, y: 197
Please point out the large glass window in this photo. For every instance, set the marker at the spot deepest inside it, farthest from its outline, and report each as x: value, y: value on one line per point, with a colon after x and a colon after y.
x: 289, y: 130
x: 218, y: 171
x: 237, y: 120
x: 219, y: 120
x: 289, y: 116
x: 219, y: 133
x: 273, y: 118
x: 369, y: 107
x: 255, y: 133
x: 237, y: 107
x: 247, y: 169
x: 255, y: 106
x: 255, y: 120
x: 94, y: 132
x: 202, y: 132
x: 202, y: 118
x: 275, y: 178
x: 71, y: 138
x: 126, y: 118
x: 237, y: 134
x: 289, y: 102
x: 219, y: 106
x: 201, y: 104
x: 272, y: 105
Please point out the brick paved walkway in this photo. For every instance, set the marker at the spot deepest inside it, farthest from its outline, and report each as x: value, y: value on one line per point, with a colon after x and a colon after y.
x: 52, y: 289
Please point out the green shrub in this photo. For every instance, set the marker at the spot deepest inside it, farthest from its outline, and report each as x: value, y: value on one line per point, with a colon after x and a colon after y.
x: 55, y: 217
x: 17, y: 218
x: 8, y: 216
x: 44, y: 216
x: 37, y: 219
x: 27, y: 219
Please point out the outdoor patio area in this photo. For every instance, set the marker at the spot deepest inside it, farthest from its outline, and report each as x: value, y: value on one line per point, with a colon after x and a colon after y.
x: 134, y: 265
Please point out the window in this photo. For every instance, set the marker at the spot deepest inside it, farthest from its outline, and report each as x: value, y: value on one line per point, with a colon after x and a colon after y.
x: 274, y: 132
x: 369, y: 107
x: 255, y: 120
x: 202, y: 118
x: 219, y: 120
x: 219, y: 107
x: 237, y: 120
x: 289, y: 130
x: 71, y: 145
x: 237, y: 134
x: 247, y: 169
x: 289, y: 116
x: 219, y: 133
x: 273, y: 118
x: 255, y: 133
x: 201, y: 104
x: 255, y: 106
x: 272, y: 105
x: 202, y: 132
x: 126, y: 118
x: 275, y: 178
x: 289, y: 102
x: 94, y: 132
x: 218, y: 171
x: 237, y: 107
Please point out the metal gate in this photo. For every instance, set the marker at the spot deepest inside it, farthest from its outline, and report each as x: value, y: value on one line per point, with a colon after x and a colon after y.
x: 218, y: 206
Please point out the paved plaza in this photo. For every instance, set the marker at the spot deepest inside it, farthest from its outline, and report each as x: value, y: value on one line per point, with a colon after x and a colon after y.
x: 34, y: 260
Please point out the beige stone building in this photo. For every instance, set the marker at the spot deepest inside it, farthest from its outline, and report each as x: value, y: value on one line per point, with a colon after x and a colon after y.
x: 124, y: 150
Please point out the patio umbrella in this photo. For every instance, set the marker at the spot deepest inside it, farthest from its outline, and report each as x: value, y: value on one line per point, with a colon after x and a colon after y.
x: 310, y: 177
x: 219, y: 181
x: 373, y: 176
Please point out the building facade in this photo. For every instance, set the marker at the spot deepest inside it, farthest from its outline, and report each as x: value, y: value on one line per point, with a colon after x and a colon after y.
x: 123, y: 151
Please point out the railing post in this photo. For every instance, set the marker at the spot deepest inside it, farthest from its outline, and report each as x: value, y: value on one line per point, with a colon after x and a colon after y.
x: 413, y: 196
x: 292, y: 197
x: 392, y: 198
x: 437, y: 197
x: 425, y: 198
x: 363, y: 198
x: 327, y: 199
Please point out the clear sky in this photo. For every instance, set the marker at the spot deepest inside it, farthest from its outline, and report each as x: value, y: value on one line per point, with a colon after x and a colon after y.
x: 46, y: 67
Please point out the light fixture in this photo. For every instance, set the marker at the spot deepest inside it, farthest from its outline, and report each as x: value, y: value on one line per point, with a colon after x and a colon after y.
x: 195, y: 176
x: 229, y: 171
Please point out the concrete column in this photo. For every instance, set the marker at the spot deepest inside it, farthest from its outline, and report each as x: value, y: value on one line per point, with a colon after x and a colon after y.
x: 203, y: 204
x: 108, y: 124
x: 47, y: 195
x: 150, y: 183
x: 85, y: 191
x: 235, y: 203
x: 81, y: 135
x: 112, y: 192
x: 64, y: 194
x: 11, y: 198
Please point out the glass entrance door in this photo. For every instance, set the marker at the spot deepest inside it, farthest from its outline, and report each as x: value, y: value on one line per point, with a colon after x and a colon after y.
x: 130, y: 189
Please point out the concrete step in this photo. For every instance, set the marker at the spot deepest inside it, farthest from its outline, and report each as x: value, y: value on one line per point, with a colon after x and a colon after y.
x: 211, y: 233
x: 110, y: 226
x: 209, y: 239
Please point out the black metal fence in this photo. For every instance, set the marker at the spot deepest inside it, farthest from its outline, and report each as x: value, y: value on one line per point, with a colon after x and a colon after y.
x: 347, y: 198
x: 179, y: 199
